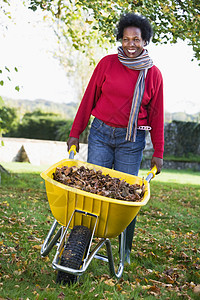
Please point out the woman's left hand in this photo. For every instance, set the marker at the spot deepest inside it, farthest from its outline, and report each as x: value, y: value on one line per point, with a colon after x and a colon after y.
x: 158, y: 162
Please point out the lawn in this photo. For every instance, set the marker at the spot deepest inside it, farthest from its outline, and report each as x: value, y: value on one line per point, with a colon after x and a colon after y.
x: 164, y: 260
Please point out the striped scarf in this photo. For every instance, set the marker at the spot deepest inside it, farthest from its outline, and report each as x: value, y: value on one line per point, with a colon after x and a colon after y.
x: 142, y: 62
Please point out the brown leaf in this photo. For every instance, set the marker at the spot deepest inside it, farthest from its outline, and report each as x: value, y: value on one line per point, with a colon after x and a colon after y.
x: 119, y: 288
x: 155, y: 281
x: 184, y: 255
x: 109, y: 282
x: 169, y: 279
x: 197, y: 289
x: 38, y: 247
x: 61, y: 295
x: 95, y: 182
x: 155, y: 290
x: 169, y: 271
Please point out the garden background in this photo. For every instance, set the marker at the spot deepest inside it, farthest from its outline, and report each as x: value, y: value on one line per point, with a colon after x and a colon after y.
x: 48, y: 51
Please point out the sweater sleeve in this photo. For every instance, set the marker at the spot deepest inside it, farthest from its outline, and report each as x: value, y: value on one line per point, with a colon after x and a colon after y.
x: 156, y: 117
x: 91, y: 96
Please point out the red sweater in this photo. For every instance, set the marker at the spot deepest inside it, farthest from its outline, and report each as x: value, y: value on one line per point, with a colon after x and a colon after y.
x: 109, y: 96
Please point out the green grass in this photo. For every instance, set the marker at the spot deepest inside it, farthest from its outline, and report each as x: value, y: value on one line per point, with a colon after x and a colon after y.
x: 175, y: 176
x: 17, y: 167
x: 164, y: 260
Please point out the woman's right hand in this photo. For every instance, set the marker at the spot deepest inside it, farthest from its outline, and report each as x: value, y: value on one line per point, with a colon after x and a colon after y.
x: 72, y: 141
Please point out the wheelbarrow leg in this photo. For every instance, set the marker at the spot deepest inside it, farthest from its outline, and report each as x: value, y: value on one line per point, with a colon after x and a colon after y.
x: 51, y: 240
x: 119, y: 272
x: 129, y: 233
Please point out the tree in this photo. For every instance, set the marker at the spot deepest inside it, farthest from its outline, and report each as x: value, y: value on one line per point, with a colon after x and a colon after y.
x: 7, y: 117
x: 64, y: 131
x: 38, y: 125
x: 171, y: 19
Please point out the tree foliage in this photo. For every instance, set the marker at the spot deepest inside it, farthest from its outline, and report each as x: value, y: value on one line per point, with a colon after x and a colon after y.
x: 82, y: 20
x: 64, y: 131
x: 7, y: 117
x: 37, y: 125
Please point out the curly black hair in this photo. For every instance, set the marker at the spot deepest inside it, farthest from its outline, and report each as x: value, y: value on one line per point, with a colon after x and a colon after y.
x: 139, y: 21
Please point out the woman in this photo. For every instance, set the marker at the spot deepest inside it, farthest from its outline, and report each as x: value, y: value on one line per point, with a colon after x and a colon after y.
x: 125, y: 95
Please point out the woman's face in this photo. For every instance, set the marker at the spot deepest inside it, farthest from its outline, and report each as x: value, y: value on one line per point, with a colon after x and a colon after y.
x: 132, y: 42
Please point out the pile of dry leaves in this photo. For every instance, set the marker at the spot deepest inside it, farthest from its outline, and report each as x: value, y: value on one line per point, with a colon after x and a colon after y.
x: 95, y: 182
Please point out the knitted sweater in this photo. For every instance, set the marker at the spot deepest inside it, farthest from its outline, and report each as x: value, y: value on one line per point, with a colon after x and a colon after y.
x: 109, y: 96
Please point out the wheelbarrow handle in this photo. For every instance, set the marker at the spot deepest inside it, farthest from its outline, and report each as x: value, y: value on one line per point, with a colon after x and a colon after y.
x: 72, y: 151
x: 151, y: 174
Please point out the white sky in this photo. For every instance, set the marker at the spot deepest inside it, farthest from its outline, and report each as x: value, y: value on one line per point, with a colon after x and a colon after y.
x: 28, y: 45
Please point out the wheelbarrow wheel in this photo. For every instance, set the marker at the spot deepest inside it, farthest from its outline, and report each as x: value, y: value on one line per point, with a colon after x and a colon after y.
x: 73, y: 253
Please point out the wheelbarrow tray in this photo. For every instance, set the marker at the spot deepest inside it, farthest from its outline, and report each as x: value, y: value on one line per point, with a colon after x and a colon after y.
x: 113, y: 215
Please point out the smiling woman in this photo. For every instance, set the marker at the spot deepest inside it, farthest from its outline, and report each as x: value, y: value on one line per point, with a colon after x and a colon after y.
x: 125, y: 95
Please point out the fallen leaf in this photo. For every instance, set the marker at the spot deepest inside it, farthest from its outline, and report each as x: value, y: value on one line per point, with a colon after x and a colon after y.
x: 146, y: 287
x: 184, y: 255
x: 119, y: 288
x: 154, y: 289
x: 197, y: 289
x: 38, y: 247
x: 61, y: 295
x: 169, y: 279
x: 109, y: 282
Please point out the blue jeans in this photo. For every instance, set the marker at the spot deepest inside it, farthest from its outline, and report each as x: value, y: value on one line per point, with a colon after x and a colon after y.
x: 107, y: 147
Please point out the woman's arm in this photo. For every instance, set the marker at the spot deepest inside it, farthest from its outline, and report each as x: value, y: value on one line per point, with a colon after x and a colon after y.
x: 91, y: 96
x: 156, y: 121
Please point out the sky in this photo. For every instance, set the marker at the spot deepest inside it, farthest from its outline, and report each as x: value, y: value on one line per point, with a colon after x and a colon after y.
x: 29, y: 44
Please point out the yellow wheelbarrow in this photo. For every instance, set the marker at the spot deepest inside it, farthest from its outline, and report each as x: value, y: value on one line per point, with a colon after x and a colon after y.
x: 87, y: 216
